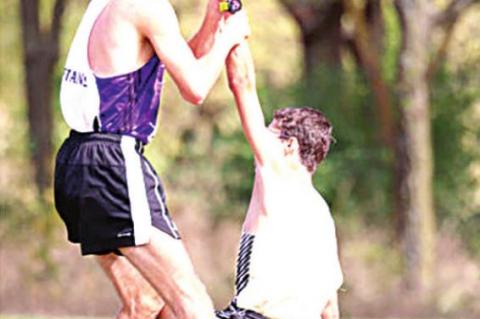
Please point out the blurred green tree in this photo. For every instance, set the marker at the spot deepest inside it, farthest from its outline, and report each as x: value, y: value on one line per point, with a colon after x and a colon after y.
x: 414, y: 185
x: 404, y: 122
x: 320, y: 31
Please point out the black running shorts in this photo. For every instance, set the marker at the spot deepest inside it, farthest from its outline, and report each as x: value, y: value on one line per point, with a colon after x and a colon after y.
x: 108, y: 194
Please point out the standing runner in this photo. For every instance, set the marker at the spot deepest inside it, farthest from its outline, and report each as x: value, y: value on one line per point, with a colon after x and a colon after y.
x: 106, y: 191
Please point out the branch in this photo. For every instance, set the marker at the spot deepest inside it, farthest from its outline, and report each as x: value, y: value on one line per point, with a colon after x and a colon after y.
x: 307, y: 13
x: 447, y: 20
x: 370, y: 61
x: 453, y: 11
x: 439, y: 57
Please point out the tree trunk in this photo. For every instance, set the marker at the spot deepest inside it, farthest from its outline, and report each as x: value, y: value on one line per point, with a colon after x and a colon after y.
x: 321, y: 32
x: 323, y: 43
x: 41, y: 51
x: 367, y: 28
x: 39, y: 78
x: 415, y: 148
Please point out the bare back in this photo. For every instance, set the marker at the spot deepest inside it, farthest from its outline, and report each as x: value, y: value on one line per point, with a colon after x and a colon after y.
x: 276, y: 194
x: 291, y: 266
x: 116, y: 45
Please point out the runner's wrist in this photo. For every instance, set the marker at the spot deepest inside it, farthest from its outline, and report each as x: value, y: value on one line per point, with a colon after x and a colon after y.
x: 224, y: 42
x: 210, y: 25
x: 212, y: 21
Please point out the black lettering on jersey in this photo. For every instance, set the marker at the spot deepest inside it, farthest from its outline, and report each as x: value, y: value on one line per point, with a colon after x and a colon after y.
x: 83, y: 80
x: 75, y: 77
x: 66, y: 73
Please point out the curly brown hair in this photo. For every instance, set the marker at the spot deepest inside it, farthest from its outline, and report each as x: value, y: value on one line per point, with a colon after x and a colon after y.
x: 312, y: 130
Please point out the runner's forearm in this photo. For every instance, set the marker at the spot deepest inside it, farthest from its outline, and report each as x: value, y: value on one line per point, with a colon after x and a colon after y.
x: 210, y: 65
x: 241, y: 79
x: 202, y: 42
x: 242, y: 82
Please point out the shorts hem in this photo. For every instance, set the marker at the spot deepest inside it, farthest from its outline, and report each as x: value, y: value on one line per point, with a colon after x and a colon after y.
x: 113, y: 245
x: 107, y: 246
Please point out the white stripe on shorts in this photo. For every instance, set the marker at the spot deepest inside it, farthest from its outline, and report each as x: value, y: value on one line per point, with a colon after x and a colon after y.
x: 137, y: 193
x: 173, y: 228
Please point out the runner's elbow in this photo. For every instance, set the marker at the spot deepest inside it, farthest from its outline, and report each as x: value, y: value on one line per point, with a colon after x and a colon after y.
x: 194, y: 99
x: 194, y: 95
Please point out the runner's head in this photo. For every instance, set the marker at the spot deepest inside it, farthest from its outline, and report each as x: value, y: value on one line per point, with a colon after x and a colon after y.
x: 306, y: 130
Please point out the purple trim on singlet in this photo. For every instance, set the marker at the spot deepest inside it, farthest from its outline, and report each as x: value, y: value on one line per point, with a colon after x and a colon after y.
x: 129, y: 102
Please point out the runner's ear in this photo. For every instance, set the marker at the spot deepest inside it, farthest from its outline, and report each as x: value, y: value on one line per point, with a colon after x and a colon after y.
x: 291, y: 145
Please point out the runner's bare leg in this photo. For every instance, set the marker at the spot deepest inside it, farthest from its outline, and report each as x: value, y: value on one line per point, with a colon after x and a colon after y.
x: 139, y: 299
x: 166, y: 265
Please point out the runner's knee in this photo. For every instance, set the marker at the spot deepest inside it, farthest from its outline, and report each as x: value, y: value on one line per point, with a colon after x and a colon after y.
x: 143, y: 307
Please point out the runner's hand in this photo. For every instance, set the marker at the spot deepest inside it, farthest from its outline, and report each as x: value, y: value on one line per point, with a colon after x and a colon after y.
x: 213, y: 16
x: 236, y: 28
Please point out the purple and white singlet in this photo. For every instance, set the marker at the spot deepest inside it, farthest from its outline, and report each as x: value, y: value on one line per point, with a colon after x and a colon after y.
x: 125, y: 104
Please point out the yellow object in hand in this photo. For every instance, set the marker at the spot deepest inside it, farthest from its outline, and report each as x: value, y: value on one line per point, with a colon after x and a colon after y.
x: 224, y: 6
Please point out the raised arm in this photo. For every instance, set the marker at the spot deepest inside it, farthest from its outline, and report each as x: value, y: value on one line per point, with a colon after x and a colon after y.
x: 194, y: 76
x: 241, y: 80
x: 202, y: 42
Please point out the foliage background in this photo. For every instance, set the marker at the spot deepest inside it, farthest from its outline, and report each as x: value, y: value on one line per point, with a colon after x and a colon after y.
x: 206, y: 166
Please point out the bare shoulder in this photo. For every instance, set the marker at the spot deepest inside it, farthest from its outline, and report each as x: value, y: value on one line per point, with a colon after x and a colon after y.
x: 155, y: 17
x: 124, y: 6
x: 152, y: 4
x: 139, y: 10
x: 270, y: 151
x: 136, y: 5
x: 150, y: 7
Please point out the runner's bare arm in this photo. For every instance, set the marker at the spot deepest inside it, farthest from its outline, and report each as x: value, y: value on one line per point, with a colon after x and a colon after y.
x: 193, y: 76
x: 242, y: 82
x: 201, y: 43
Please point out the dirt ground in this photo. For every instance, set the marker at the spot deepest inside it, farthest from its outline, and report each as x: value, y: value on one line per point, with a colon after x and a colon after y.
x: 373, y: 286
